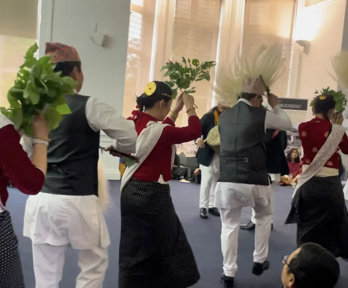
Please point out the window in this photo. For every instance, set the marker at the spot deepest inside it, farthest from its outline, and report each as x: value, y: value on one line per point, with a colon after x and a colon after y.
x: 139, y: 51
x: 12, y: 51
x: 195, y: 35
x: 16, y: 36
x: 186, y: 28
x: 270, y: 22
x: 193, y: 28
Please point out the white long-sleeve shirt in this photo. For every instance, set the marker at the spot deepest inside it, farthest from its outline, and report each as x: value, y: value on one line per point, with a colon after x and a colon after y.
x: 103, y: 117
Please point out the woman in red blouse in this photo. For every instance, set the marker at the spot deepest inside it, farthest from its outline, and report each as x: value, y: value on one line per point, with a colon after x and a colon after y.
x: 26, y: 175
x: 294, y: 164
x: 318, y: 204
x: 154, y: 251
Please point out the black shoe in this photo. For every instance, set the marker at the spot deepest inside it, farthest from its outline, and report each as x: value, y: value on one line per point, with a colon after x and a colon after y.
x: 203, y: 213
x: 227, y: 281
x: 214, y: 211
x: 250, y: 226
x: 258, y: 268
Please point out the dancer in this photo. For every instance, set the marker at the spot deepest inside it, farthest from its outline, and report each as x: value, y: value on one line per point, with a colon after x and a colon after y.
x: 154, y: 251
x: 28, y: 176
x: 243, y: 177
x: 67, y: 211
x: 318, y: 205
x: 209, y: 162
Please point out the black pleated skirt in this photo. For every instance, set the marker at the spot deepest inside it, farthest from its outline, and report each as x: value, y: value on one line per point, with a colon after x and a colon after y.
x: 154, y: 251
x: 10, y: 266
x: 321, y: 215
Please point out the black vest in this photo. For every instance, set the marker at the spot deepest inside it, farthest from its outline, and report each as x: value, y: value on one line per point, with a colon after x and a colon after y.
x: 205, y: 155
x: 242, y: 147
x: 72, y: 155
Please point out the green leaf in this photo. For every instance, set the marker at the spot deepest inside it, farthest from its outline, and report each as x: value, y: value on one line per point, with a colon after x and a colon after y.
x: 170, y: 83
x: 12, y: 96
x: 53, y: 118
x: 195, y: 62
x: 31, y: 93
x: 17, y: 117
x: 63, y: 109
x: 175, y: 93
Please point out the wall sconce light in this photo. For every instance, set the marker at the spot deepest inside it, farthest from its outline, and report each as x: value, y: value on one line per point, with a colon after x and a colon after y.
x: 305, y: 44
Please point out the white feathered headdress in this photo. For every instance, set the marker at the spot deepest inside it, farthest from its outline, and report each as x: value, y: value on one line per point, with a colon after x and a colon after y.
x: 244, y: 75
x: 340, y: 64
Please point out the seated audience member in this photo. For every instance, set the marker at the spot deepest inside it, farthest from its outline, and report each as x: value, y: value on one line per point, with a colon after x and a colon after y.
x: 178, y: 172
x: 310, y: 266
x: 295, y: 169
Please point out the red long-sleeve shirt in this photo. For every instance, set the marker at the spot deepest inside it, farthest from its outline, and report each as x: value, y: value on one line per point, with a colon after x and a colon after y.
x: 159, y: 160
x: 313, y: 135
x: 16, y: 167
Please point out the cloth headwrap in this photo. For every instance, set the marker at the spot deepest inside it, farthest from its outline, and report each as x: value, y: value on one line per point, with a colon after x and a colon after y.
x: 61, y: 52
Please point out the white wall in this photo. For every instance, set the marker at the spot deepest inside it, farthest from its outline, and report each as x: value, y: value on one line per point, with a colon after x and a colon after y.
x: 72, y: 22
x: 312, y: 71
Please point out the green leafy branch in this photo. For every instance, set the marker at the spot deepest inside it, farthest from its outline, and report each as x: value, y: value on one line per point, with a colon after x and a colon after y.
x: 339, y: 97
x: 38, y: 89
x: 182, y: 74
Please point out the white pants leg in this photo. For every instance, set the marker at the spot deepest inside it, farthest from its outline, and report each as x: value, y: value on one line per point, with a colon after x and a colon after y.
x: 48, y: 264
x: 209, y: 177
x: 93, y: 264
x: 229, y: 239
x: 263, y: 222
x: 215, y: 165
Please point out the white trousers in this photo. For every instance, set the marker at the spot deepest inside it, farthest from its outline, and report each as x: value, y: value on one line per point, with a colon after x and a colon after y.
x: 229, y: 235
x: 209, y: 178
x: 49, y: 262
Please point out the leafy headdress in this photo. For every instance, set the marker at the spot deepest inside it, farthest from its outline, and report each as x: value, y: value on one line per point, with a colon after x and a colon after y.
x: 338, y: 96
x: 249, y: 74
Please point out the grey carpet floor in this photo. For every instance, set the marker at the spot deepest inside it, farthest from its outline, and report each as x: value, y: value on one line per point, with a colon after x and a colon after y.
x: 204, y: 236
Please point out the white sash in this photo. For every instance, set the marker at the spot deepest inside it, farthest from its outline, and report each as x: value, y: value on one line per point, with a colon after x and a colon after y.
x: 323, y: 155
x: 4, y: 121
x: 146, y: 141
x: 2, y: 207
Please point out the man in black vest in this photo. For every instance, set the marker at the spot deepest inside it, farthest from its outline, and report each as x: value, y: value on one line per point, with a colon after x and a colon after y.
x: 208, y: 160
x: 243, y: 175
x: 276, y: 143
x: 67, y: 211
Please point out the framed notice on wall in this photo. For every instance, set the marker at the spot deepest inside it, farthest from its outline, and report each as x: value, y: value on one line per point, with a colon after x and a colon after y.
x: 293, y: 103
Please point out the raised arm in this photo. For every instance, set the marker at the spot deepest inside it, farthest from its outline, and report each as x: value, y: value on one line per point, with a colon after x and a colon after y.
x: 101, y: 116
x: 176, y: 135
x: 277, y: 119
